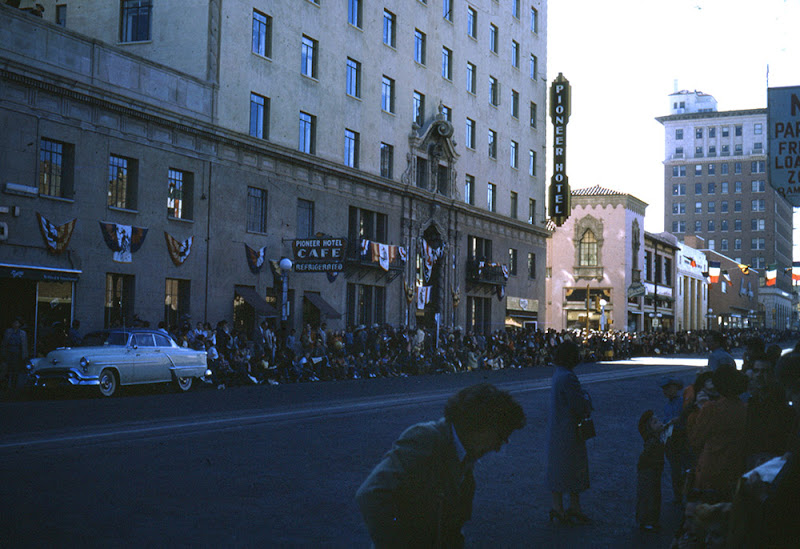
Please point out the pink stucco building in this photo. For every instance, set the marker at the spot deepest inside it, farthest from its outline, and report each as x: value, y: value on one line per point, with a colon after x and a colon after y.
x: 595, y: 261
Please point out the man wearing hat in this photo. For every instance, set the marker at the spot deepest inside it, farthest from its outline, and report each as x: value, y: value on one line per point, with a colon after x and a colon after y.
x: 676, y: 448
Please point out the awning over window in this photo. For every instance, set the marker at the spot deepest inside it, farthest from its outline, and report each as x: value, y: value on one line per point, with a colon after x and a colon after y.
x: 323, y: 306
x: 256, y: 301
x: 33, y: 272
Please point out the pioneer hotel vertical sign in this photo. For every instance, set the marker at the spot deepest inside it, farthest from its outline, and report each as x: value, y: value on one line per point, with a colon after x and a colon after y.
x: 559, y: 184
x: 783, y: 112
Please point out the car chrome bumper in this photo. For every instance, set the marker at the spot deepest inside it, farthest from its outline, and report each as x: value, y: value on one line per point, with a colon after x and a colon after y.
x: 61, y: 377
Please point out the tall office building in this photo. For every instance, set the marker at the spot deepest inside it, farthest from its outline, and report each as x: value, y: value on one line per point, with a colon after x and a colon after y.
x: 716, y: 186
x: 400, y: 144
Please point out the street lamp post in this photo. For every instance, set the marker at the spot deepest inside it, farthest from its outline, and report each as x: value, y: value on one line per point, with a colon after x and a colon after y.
x: 286, y: 266
x: 603, y: 304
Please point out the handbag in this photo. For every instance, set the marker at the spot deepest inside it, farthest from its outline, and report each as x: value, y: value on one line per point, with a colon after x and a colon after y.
x: 585, y: 429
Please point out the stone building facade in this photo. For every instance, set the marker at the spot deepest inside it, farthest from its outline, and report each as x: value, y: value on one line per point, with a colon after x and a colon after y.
x: 183, y: 135
x: 716, y: 186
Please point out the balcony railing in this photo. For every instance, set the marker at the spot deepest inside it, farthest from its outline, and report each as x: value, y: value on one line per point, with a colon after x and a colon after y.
x: 486, y: 273
x: 356, y: 255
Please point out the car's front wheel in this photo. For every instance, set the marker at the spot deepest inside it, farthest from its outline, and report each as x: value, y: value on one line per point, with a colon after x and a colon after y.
x: 108, y: 382
x: 183, y: 384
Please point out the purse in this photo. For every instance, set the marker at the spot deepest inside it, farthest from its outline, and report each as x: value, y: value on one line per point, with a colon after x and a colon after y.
x: 585, y: 429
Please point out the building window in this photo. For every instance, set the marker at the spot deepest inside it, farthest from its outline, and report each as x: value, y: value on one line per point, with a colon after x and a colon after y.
x: 514, y: 154
x: 757, y: 224
x: 711, y: 227
x: 447, y: 113
x: 723, y: 206
x: 469, y: 189
x: 678, y: 171
x: 737, y: 243
x: 515, y: 103
x: 387, y: 161
x: 737, y: 224
x: 122, y: 180
x: 491, y: 197
x: 531, y: 211
x: 532, y: 163
x: 262, y: 34
x: 698, y: 226
x: 388, y: 28
x: 367, y: 224
x: 698, y: 133
x: 698, y: 207
x: 758, y: 244
x: 679, y: 189
x: 419, y: 108
x: 515, y: 8
x: 305, y: 218
x: 533, y: 114
x: 737, y: 150
x: 180, y: 187
x: 256, y: 210
x: 471, y: 78
x: 712, y: 245
x: 494, y: 39
x: 679, y: 208
x: 176, y: 301
x: 758, y: 166
x: 447, y: 10
x: 698, y: 169
x: 534, y: 66
x: 308, y: 62
x: 472, y: 23
x: 757, y: 186
x: 512, y: 261
x: 136, y: 20
x: 712, y: 133
x: 723, y: 187
x: 737, y: 130
x: 56, y: 168
x: 492, y: 144
x: 515, y: 54
x: 723, y: 224
x: 354, y: 12
x: 679, y: 226
x: 259, y: 116
x: 494, y: 91
x: 351, y: 142
x: 587, y: 249
x: 534, y: 20
x: 387, y: 94
x: 366, y: 304
x: 119, y: 300
x: 723, y: 244
x: 419, y: 46
x: 422, y: 173
x: 737, y: 187
x: 353, y: 78
x: 447, y: 63
x: 470, y: 137
x: 758, y: 205
x: 712, y: 169
x: 678, y: 134
x: 61, y: 15
x: 308, y: 133
x: 758, y: 129
x: 531, y: 265
x: 737, y: 168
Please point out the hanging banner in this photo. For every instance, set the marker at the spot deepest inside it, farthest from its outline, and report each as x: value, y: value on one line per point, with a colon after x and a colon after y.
x: 783, y: 143
x: 560, y: 92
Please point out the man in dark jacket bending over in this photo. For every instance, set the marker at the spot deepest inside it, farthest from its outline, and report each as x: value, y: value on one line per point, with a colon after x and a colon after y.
x: 420, y: 494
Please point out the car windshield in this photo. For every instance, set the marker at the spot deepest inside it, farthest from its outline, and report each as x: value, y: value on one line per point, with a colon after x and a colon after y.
x: 99, y: 339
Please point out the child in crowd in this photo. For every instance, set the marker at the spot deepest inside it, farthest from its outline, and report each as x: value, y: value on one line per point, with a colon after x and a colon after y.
x: 648, y: 473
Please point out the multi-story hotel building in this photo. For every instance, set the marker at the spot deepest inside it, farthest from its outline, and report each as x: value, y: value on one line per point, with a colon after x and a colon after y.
x: 398, y: 144
x: 717, y: 188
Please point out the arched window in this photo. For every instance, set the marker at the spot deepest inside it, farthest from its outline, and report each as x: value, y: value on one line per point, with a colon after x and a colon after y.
x: 588, y: 250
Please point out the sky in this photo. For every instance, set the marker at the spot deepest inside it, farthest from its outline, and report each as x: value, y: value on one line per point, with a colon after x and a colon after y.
x: 622, y: 58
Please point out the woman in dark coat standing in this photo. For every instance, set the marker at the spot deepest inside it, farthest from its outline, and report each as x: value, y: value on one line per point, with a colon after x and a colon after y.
x: 567, y: 461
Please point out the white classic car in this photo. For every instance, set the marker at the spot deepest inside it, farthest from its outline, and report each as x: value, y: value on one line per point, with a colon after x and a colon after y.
x: 112, y: 358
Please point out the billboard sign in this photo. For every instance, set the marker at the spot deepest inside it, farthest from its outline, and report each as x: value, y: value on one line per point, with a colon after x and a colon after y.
x: 783, y: 121
x: 319, y: 255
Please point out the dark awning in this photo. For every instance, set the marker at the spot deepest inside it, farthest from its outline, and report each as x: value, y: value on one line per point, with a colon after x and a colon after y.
x: 258, y: 303
x: 323, y: 306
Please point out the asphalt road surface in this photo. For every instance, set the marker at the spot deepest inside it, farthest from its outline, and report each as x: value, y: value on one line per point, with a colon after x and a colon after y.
x: 278, y: 466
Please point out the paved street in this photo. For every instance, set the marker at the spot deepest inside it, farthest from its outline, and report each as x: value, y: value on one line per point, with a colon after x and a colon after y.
x: 278, y: 466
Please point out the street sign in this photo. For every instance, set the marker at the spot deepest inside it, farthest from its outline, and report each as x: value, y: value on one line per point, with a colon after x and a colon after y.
x: 783, y: 142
